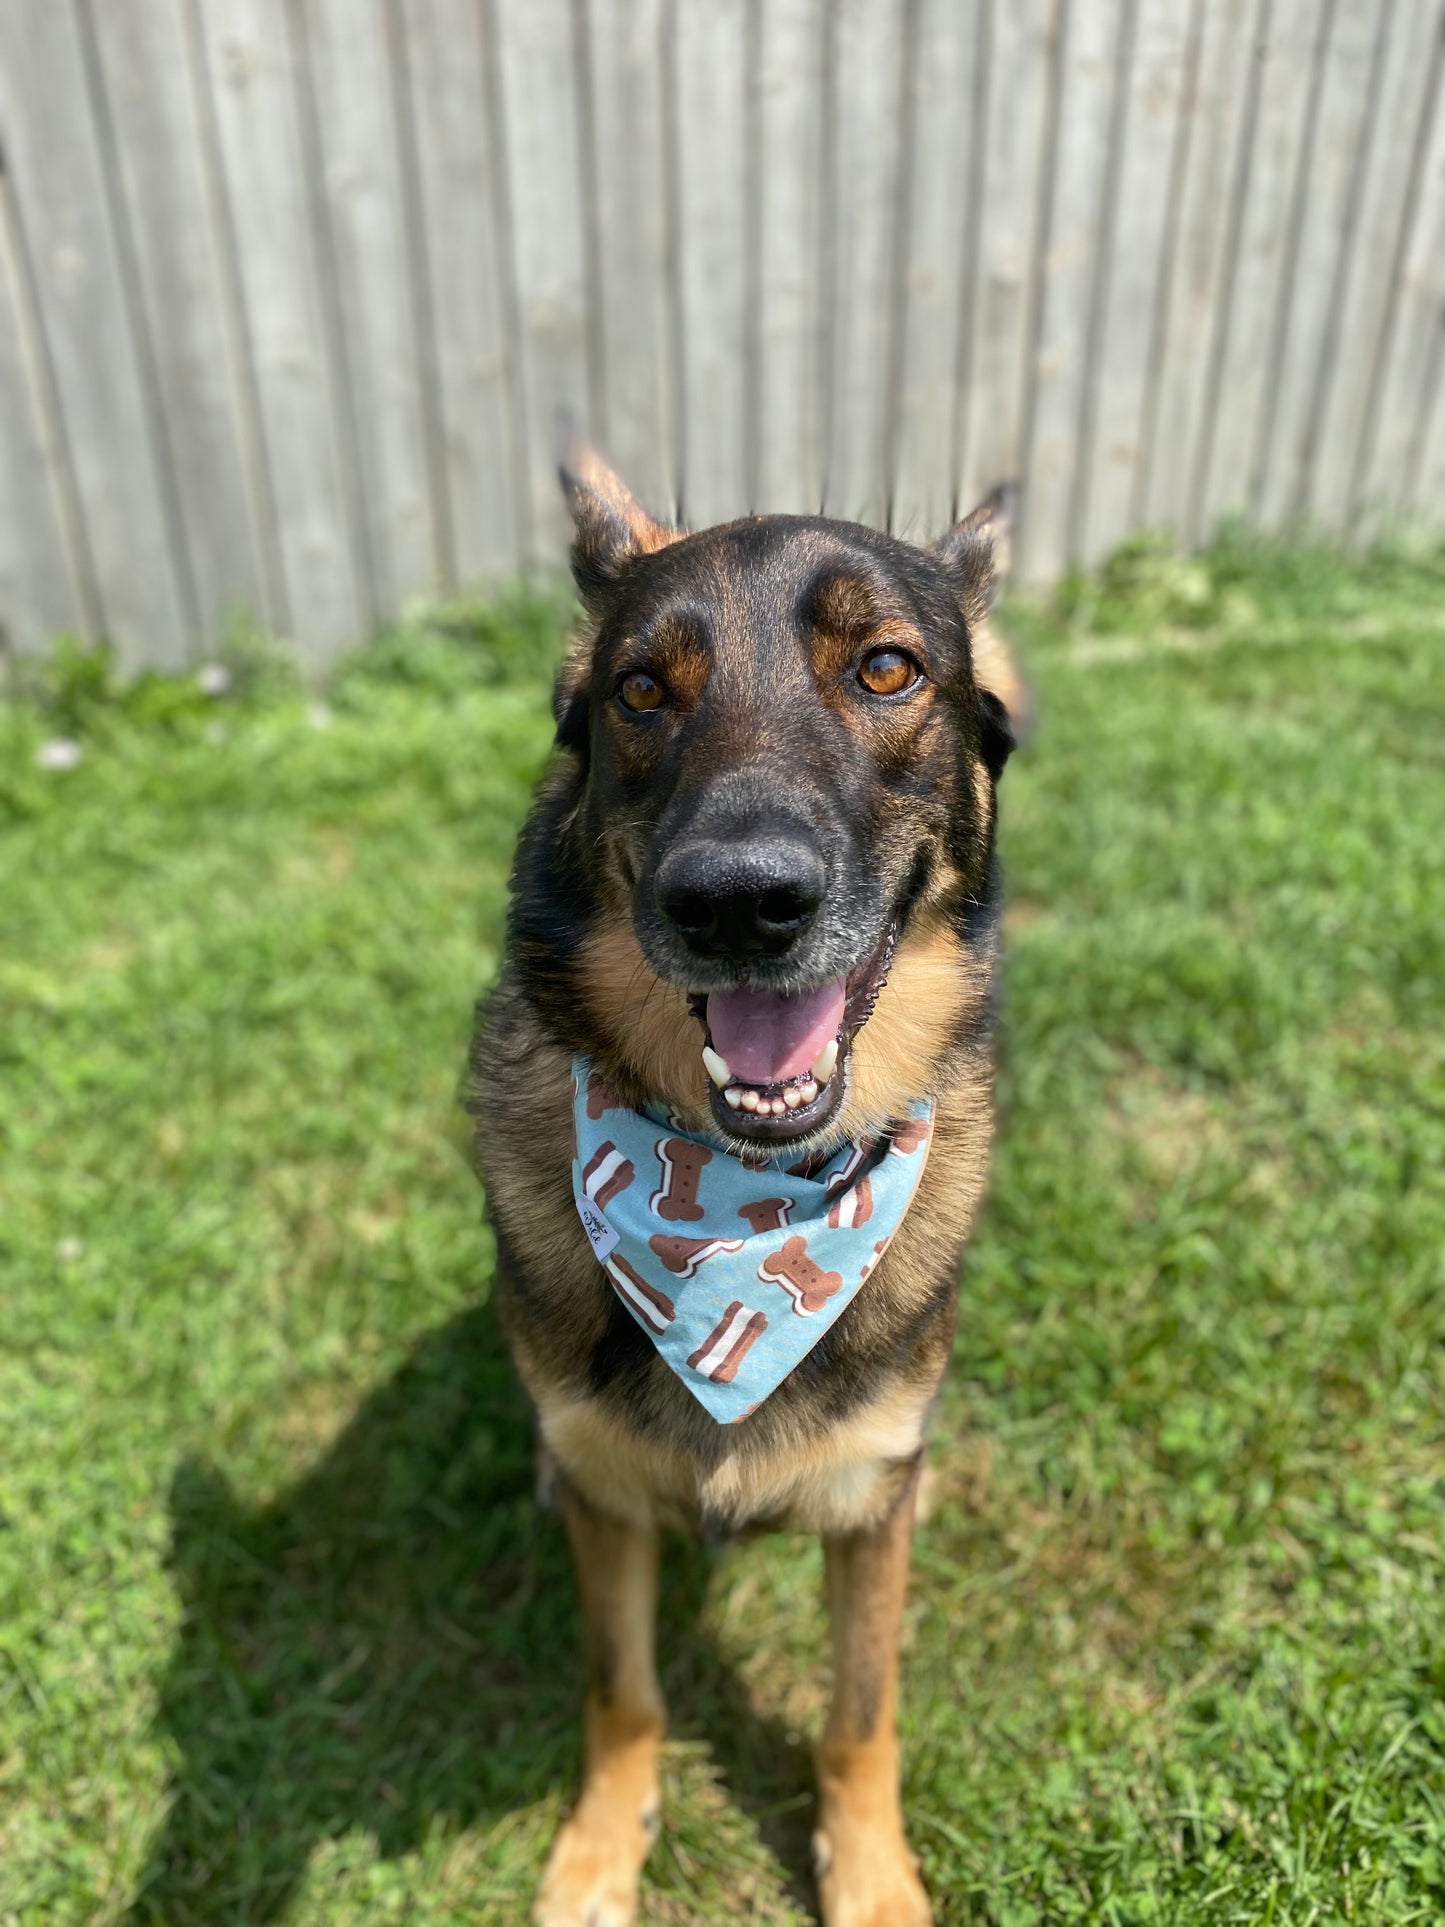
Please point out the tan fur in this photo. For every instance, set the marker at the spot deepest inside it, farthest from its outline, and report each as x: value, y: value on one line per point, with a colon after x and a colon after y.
x: 826, y: 1481
x: 591, y: 477
x: 866, y: 1875
x: 592, y: 1871
x: 930, y: 987
x: 655, y: 1034
x: 994, y: 669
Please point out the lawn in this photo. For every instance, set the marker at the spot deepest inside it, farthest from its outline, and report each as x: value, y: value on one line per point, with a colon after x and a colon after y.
x: 283, y: 1636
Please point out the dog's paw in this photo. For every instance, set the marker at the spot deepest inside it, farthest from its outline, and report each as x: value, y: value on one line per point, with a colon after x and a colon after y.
x: 865, y: 1880
x: 593, y: 1868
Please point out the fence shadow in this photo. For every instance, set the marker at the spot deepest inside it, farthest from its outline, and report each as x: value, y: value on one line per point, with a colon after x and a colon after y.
x: 393, y: 1642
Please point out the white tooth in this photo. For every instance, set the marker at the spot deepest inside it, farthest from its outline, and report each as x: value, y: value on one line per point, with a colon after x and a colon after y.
x: 715, y: 1066
x: 732, y: 1097
x: 792, y: 1097
x: 749, y: 1100
x: 825, y: 1060
x: 778, y: 1107
x: 808, y: 1089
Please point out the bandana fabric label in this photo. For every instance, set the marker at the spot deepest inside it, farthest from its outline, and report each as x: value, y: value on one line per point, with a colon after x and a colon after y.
x: 734, y: 1271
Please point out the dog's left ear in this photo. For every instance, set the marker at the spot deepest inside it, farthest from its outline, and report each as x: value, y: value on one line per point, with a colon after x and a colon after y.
x: 612, y: 528
x: 976, y: 555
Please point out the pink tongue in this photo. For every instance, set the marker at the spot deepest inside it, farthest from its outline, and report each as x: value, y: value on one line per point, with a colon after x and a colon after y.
x: 767, y: 1037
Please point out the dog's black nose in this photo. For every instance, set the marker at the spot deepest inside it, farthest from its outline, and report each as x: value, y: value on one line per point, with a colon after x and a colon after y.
x: 740, y: 899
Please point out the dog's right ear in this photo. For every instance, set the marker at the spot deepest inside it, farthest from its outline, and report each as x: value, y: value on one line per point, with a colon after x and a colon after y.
x: 612, y: 528
x: 977, y: 554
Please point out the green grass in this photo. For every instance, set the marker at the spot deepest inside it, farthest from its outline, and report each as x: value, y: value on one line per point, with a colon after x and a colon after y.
x: 282, y: 1635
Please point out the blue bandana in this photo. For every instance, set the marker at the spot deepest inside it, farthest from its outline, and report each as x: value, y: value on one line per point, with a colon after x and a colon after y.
x: 733, y: 1270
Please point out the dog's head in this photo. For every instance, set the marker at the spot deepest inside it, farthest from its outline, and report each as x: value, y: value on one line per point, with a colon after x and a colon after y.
x: 786, y: 735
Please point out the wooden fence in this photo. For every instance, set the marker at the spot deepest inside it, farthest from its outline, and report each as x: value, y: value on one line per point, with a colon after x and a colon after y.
x: 291, y: 291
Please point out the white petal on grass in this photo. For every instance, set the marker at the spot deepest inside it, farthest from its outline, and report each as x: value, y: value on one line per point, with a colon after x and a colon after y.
x: 213, y: 678
x: 61, y: 752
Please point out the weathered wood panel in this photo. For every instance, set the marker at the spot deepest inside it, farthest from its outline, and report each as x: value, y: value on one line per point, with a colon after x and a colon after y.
x: 536, y: 72
x: 160, y: 158
x: 352, y: 80
x: 47, y: 580
x: 253, y: 77
x: 1019, y: 109
x: 939, y: 210
x: 296, y: 293
x: 865, y: 109
x: 462, y: 242
x: 1402, y: 109
x: 706, y: 77
x: 636, y: 408
x: 791, y: 120
x: 1076, y: 251
x: 1205, y: 217
x: 1154, y: 113
x: 58, y: 175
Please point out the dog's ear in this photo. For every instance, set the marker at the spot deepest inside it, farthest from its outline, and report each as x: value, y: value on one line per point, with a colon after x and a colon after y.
x: 976, y: 555
x: 611, y: 527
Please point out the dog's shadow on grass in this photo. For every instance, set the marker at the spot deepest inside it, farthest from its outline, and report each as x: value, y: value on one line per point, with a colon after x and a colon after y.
x: 392, y: 1644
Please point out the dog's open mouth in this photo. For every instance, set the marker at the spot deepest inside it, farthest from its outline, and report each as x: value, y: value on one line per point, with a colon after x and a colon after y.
x: 777, y: 1061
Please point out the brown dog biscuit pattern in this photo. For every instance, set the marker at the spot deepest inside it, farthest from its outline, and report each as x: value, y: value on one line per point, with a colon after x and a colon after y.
x: 683, y: 1256
x: 857, y: 1157
x: 801, y: 1276
x: 852, y: 1208
x: 653, y: 1307
x: 728, y: 1343
x: 912, y: 1132
x: 683, y: 1161
x: 600, y: 1097
x: 606, y: 1174
x: 767, y: 1214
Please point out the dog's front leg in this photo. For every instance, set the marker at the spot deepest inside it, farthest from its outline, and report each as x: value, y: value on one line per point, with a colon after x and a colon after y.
x: 866, y: 1874
x: 591, y: 1876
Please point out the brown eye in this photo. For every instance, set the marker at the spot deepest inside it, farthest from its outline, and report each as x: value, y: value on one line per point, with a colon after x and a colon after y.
x: 641, y: 692
x: 887, y: 672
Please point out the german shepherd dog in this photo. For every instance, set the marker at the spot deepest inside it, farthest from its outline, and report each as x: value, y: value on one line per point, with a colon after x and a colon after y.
x: 757, y: 892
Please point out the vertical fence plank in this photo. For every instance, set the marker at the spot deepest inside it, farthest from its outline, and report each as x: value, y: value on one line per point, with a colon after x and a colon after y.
x: 57, y: 176
x: 351, y: 82
x: 1225, y: 52
x: 42, y: 578
x: 1018, y: 104
x: 1408, y: 70
x: 1094, y: 79
x: 1111, y: 454
x: 224, y: 507
x: 627, y: 169
x: 1399, y: 418
x: 867, y: 155
x: 545, y: 187
x: 251, y: 78
x: 711, y: 82
x: 1426, y: 498
x: 1253, y: 285
x: 791, y: 109
x: 941, y: 227
x: 1305, y: 326
x: 480, y: 432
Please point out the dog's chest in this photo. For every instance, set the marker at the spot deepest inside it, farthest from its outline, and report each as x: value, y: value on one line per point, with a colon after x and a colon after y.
x: 834, y: 1478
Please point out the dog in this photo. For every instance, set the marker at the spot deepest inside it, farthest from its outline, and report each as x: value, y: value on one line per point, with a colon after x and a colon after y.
x: 732, y: 1102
